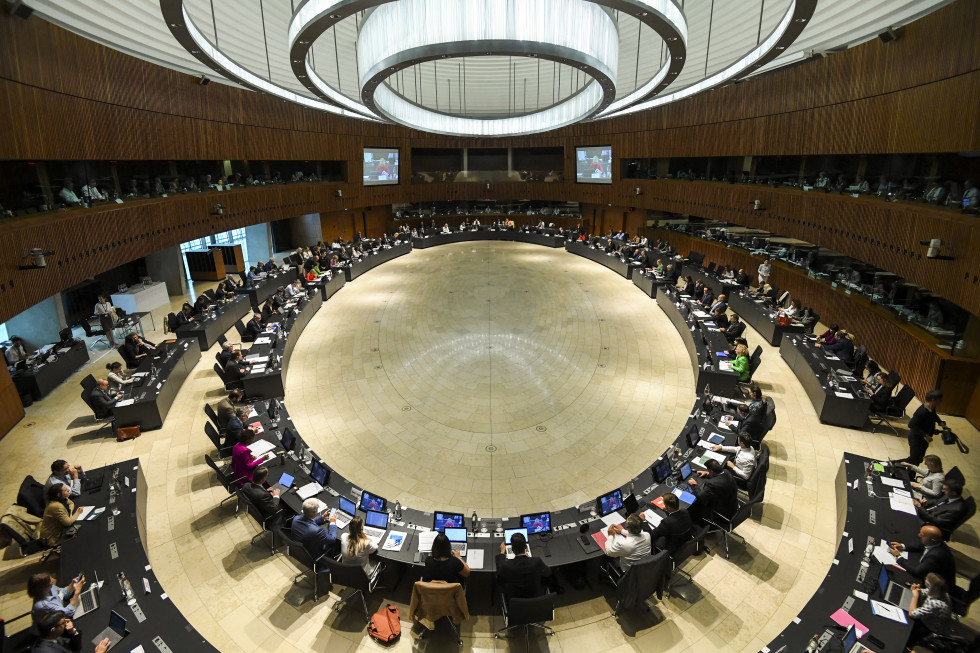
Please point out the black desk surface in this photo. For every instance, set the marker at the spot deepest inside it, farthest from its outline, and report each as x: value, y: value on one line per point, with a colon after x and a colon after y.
x: 813, y: 369
x: 611, y: 261
x: 207, y: 329
x: 328, y: 287
x: 489, y: 233
x: 111, y: 544
x: 760, y: 317
x: 702, y: 343
x: 153, y: 399
x: 40, y: 381
x: 265, y: 288
x: 841, y: 579
x: 371, y: 261
x: 648, y: 282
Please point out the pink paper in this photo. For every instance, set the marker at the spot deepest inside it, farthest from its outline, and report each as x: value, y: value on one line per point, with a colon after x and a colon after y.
x: 843, y: 619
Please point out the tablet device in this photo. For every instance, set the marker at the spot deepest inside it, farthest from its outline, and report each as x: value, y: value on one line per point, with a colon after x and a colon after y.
x: 537, y: 523
x: 443, y: 520
x: 372, y: 502
x: 319, y: 472
x: 608, y: 503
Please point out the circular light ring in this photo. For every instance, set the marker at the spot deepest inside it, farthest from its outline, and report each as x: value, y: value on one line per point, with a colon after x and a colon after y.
x: 435, y: 29
x: 796, y: 18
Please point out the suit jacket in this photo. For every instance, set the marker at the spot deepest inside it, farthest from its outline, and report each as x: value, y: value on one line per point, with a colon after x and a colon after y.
x: 102, y: 402
x: 675, y: 529
x: 718, y: 304
x: 225, y: 412
x: 182, y: 318
x: 754, y: 423
x: 235, y: 370
x: 253, y: 328
x: 718, y: 494
x: 309, y: 533
x: 435, y: 600
x: 262, y: 499
x: 844, y: 348
x: 938, y: 560
x: 734, y: 330
x: 223, y: 357
x: 234, y: 428
x: 942, y: 512
x: 521, y: 576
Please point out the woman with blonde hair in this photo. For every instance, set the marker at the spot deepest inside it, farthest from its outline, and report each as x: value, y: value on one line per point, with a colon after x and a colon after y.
x: 356, y: 546
x: 931, y: 484
x: 741, y: 363
x: 930, y: 613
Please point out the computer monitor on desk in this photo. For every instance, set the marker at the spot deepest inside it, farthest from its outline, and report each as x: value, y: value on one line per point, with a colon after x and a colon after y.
x: 609, y: 503
x: 320, y: 473
x: 537, y: 522
x: 443, y: 520
x: 661, y: 470
x: 372, y: 502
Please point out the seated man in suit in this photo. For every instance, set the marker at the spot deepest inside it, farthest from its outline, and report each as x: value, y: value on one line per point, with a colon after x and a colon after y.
x: 201, y: 303
x: 252, y: 276
x: 279, y: 299
x: 101, y: 399
x: 265, y: 500
x: 185, y: 316
x: 944, y: 511
x: 842, y: 347
x: 236, y: 368
x: 225, y: 355
x: 716, y: 492
x: 721, y: 303
x: 135, y: 349
x: 720, y: 317
x: 936, y: 558
x: 753, y: 421
x: 270, y: 266
x: 520, y: 577
x: 708, y: 298
x: 630, y: 546
x: 734, y: 329
x: 670, y: 274
x: 307, y: 528
x: 742, y: 278
x: 226, y: 408
x: 254, y: 327
x: 675, y: 529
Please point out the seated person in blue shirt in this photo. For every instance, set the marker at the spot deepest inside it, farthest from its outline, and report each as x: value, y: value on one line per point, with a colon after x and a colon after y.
x: 48, y: 597
x: 66, y: 474
x: 252, y: 275
x: 307, y: 529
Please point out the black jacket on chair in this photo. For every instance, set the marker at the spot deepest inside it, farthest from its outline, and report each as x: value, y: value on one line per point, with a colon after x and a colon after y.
x: 520, y: 577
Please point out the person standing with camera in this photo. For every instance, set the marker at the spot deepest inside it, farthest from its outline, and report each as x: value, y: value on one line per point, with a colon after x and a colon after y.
x: 923, y: 426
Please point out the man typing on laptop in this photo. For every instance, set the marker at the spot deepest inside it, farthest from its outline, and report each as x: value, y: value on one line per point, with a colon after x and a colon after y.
x: 265, y: 500
x: 57, y: 634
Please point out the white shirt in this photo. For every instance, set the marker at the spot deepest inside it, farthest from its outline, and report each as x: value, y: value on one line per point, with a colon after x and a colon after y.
x: 744, y: 460
x: 629, y: 549
x: 764, y: 270
x: 92, y: 192
x: 68, y: 196
x: 15, y: 354
x: 363, y: 555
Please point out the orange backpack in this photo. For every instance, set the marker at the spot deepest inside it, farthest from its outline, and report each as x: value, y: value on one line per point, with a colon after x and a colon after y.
x: 385, y: 625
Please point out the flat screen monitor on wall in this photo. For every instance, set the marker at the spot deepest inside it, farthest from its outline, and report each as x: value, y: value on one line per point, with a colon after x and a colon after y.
x: 593, y: 165
x: 380, y: 166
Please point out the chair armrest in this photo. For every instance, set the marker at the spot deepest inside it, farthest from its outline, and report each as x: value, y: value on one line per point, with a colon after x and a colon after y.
x: 265, y: 522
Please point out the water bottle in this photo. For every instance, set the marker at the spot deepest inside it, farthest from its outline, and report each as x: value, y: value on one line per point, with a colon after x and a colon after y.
x: 127, y: 589
x: 474, y: 522
x: 398, y: 510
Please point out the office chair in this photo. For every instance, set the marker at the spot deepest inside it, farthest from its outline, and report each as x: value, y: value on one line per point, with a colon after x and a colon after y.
x: 720, y: 524
x: 266, y: 524
x: 213, y: 416
x: 427, y: 594
x: 690, y: 548
x: 527, y: 613
x: 963, y: 598
x: 224, y: 450
x: 971, y: 509
x: 103, y: 420
x: 642, y: 580
x: 229, y: 385
x: 310, y: 564
x: 88, y: 383
x: 352, y: 576
x: 226, y: 478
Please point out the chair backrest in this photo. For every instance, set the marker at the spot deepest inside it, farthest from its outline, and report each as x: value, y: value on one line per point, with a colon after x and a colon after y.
x: 130, y: 363
x: 87, y: 398
x: 756, y: 356
x: 172, y: 322
x: 213, y: 435
x: 813, y: 325
x: 690, y: 547
x: 644, y: 578
x: 895, y: 378
x: 760, y: 472
x: 221, y: 373
x: 347, y: 574
x: 213, y: 416
x: 439, y: 594
x: 240, y: 328
x: 88, y: 383
x: 253, y: 511
x: 222, y: 476
x: 860, y: 359
x: 971, y: 509
x: 30, y: 496
x: 901, y: 400
x: 770, y: 420
x: 221, y: 341
x: 538, y: 610
x: 963, y: 599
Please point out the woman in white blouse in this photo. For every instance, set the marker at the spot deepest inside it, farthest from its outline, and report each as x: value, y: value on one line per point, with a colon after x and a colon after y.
x: 117, y: 377
x: 107, y: 318
x: 931, y: 484
x: 355, y: 546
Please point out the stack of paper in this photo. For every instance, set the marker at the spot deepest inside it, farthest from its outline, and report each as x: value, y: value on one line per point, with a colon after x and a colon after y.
x: 652, y: 518
x: 613, y: 518
x: 394, y: 541
x: 474, y: 558
x: 425, y: 540
x: 888, y: 612
x: 901, y: 504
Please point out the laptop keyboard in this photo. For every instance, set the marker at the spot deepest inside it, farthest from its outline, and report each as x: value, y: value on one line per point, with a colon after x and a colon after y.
x: 87, y: 600
x: 895, y: 594
x: 374, y: 533
x: 459, y: 546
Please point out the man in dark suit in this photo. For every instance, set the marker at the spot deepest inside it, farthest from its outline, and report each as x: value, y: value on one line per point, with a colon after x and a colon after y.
x: 936, y: 556
x: 101, y: 399
x: 753, y: 421
x: 307, y: 529
x: 254, y: 327
x: 185, y: 316
x: 735, y: 328
x: 266, y: 501
x: 923, y: 426
x: 720, y: 303
x: 271, y: 265
x: 708, y: 297
x: 236, y: 368
x: 675, y: 529
x: 235, y: 426
x: 742, y: 279
x: 716, y: 492
x: 670, y: 274
x: 944, y: 511
x: 520, y: 577
x: 225, y: 355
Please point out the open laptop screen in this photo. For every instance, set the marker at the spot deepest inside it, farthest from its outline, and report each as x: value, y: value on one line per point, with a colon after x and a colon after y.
x: 456, y: 534
x: 509, y: 533
x: 348, y: 506
x: 376, y: 519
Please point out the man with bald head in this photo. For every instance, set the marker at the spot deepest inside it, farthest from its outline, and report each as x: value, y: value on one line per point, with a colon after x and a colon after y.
x: 936, y: 556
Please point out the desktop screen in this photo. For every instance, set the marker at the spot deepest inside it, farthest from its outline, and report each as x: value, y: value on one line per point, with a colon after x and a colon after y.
x: 380, y: 166
x: 661, y: 470
x: 319, y: 472
x: 608, y: 503
x: 685, y: 471
x: 443, y: 520
x: 456, y: 534
x: 593, y: 165
x: 376, y: 519
x: 372, y: 502
x: 509, y: 533
x: 288, y: 440
x: 693, y: 437
x: 538, y: 523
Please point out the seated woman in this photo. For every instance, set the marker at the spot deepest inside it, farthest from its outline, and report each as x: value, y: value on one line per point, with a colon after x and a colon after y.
x: 660, y: 267
x: 741, y: 363
x: 871, y: 378
x: 931, y: 484
x: 829, y: 336
x: 882, y: 395
x: 117, y: 377
x: 930, y: 609
x: 444, y: 563
x: 357, y: 547
x: 243, y: 463
x: 59, y: 515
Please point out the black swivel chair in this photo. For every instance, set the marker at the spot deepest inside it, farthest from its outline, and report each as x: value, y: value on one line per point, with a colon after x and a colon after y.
x: 692, y: 547
x: 224, y: 451
x: 642, y: 580
x: 131, y: 363
x: 971, y: 509
x: 229, y: 385
x: 720, y: 524
x: 298, y: 552
x: 226, y: 478
x: 527, y: 614
x: 213, y: 416
x: 88, y: 383
x: 268, y: 524
x: 963, y: 598
x: 895, y: 409
x: 352, y: 576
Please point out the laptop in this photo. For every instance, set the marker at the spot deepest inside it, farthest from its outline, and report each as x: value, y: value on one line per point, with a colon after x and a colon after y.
x: 850, y: 641
x: 115, y: 631
x: 93, y: 480
x: 285, y: 482
x: 89, y: 599
x: 457, y: 537
x: 898, y: 595
x: 346, y: 512
x: 509, y: 533
x: 375, y: 525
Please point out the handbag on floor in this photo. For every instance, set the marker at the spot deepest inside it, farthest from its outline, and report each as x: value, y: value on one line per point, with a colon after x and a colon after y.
x: 127, y: 433
x: 385, y: 625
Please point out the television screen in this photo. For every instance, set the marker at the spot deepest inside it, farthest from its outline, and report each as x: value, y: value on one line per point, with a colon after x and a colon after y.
x: 593, y: 165
x: 380, y: 166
